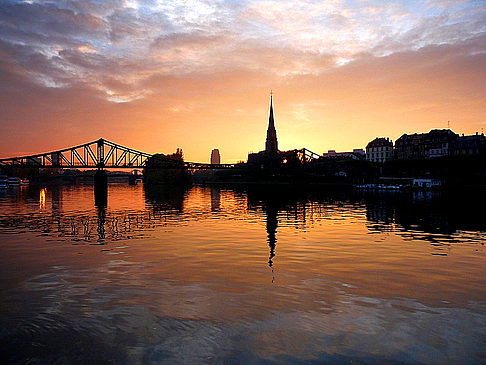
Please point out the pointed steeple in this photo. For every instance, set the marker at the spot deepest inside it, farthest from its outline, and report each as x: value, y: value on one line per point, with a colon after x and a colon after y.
x: 271, y: 122
x: 271, y: 144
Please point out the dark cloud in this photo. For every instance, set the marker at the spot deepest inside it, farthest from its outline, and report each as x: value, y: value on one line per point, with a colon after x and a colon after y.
x: 48, y: 20
x: 72, y: 42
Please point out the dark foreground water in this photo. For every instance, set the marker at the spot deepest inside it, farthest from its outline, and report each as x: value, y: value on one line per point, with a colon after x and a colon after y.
x: 221, y: 275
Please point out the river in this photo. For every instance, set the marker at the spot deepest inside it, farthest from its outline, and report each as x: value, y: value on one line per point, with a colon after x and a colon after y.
x: 241, y: 275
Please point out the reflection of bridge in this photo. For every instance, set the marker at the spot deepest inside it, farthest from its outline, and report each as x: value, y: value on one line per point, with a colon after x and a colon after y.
x: 101, y: 154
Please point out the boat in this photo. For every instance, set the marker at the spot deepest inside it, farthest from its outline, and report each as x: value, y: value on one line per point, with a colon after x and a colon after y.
x: 13, y: 181
x: 3, y: 181
x: 375, y: 187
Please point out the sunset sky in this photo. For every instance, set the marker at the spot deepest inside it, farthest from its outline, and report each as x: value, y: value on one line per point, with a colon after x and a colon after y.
x: 158, y: 75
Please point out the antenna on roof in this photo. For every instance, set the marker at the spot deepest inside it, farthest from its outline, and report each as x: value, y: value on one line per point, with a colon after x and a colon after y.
x: 448, y: 124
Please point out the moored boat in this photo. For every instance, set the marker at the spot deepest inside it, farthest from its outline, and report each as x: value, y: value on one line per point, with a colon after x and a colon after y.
x: 379, y: 187
x: 13, y: 181
x: 3, y: 181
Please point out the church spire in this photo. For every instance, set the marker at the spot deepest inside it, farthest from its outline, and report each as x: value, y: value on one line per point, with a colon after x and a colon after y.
x: 271, y: 144
x: 271, y: 123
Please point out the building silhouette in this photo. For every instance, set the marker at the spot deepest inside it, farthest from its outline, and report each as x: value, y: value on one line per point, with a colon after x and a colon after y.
x: 470, y: 145
x: 271, y: 157
x: 215, y: 156
x: 271, y: 144
x: 356, y: 154
x: 436, y: 143
x: 379, y: 150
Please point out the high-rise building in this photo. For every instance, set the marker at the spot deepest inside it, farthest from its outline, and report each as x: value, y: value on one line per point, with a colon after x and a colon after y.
x: 271, y: 144
x: 215, y: 156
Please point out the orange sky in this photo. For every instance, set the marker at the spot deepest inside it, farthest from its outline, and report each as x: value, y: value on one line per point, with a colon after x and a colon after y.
x: 156, y: 76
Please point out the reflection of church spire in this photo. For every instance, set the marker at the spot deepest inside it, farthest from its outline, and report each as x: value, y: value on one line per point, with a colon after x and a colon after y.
x: 272, y: 224
x: 271, y: 144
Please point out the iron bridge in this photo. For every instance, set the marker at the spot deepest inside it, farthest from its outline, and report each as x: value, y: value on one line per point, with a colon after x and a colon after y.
x: 103, y: 154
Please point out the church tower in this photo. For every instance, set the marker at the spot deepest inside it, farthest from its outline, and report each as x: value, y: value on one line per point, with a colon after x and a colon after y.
x: 271, y: 144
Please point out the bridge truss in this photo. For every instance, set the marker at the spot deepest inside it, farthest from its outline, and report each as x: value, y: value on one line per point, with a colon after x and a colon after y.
x: 105, y: 154
x: 306, y: 155
x: 101, y: 154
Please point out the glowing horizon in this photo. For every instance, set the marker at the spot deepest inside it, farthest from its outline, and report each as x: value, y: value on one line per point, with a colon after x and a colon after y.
x: 160, y: 75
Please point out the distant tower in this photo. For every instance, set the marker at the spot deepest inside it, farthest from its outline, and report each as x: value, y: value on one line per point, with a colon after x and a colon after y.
x: 271, y: 145
x: 215, y: 157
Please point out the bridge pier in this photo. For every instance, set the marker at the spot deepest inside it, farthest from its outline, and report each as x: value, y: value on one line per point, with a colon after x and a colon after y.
x: 101, y: 188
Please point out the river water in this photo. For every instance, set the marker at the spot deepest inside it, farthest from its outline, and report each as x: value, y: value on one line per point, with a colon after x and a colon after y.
x: 241, y: 275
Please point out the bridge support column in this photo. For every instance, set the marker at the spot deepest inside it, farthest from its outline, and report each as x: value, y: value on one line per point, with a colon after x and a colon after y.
x: 101, y: 188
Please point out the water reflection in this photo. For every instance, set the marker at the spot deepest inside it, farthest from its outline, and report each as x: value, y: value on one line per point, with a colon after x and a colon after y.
x: 56, y: 198
x: 188, y: 276
x: 215, y: 199
x: 270, y: 202
x: 68, y: 213
x: 101, y: 223
x: 42, y: 199
x: 165, y: 198
x: 432, y: 216
x: 272, y: 224
x: 422, y: 215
